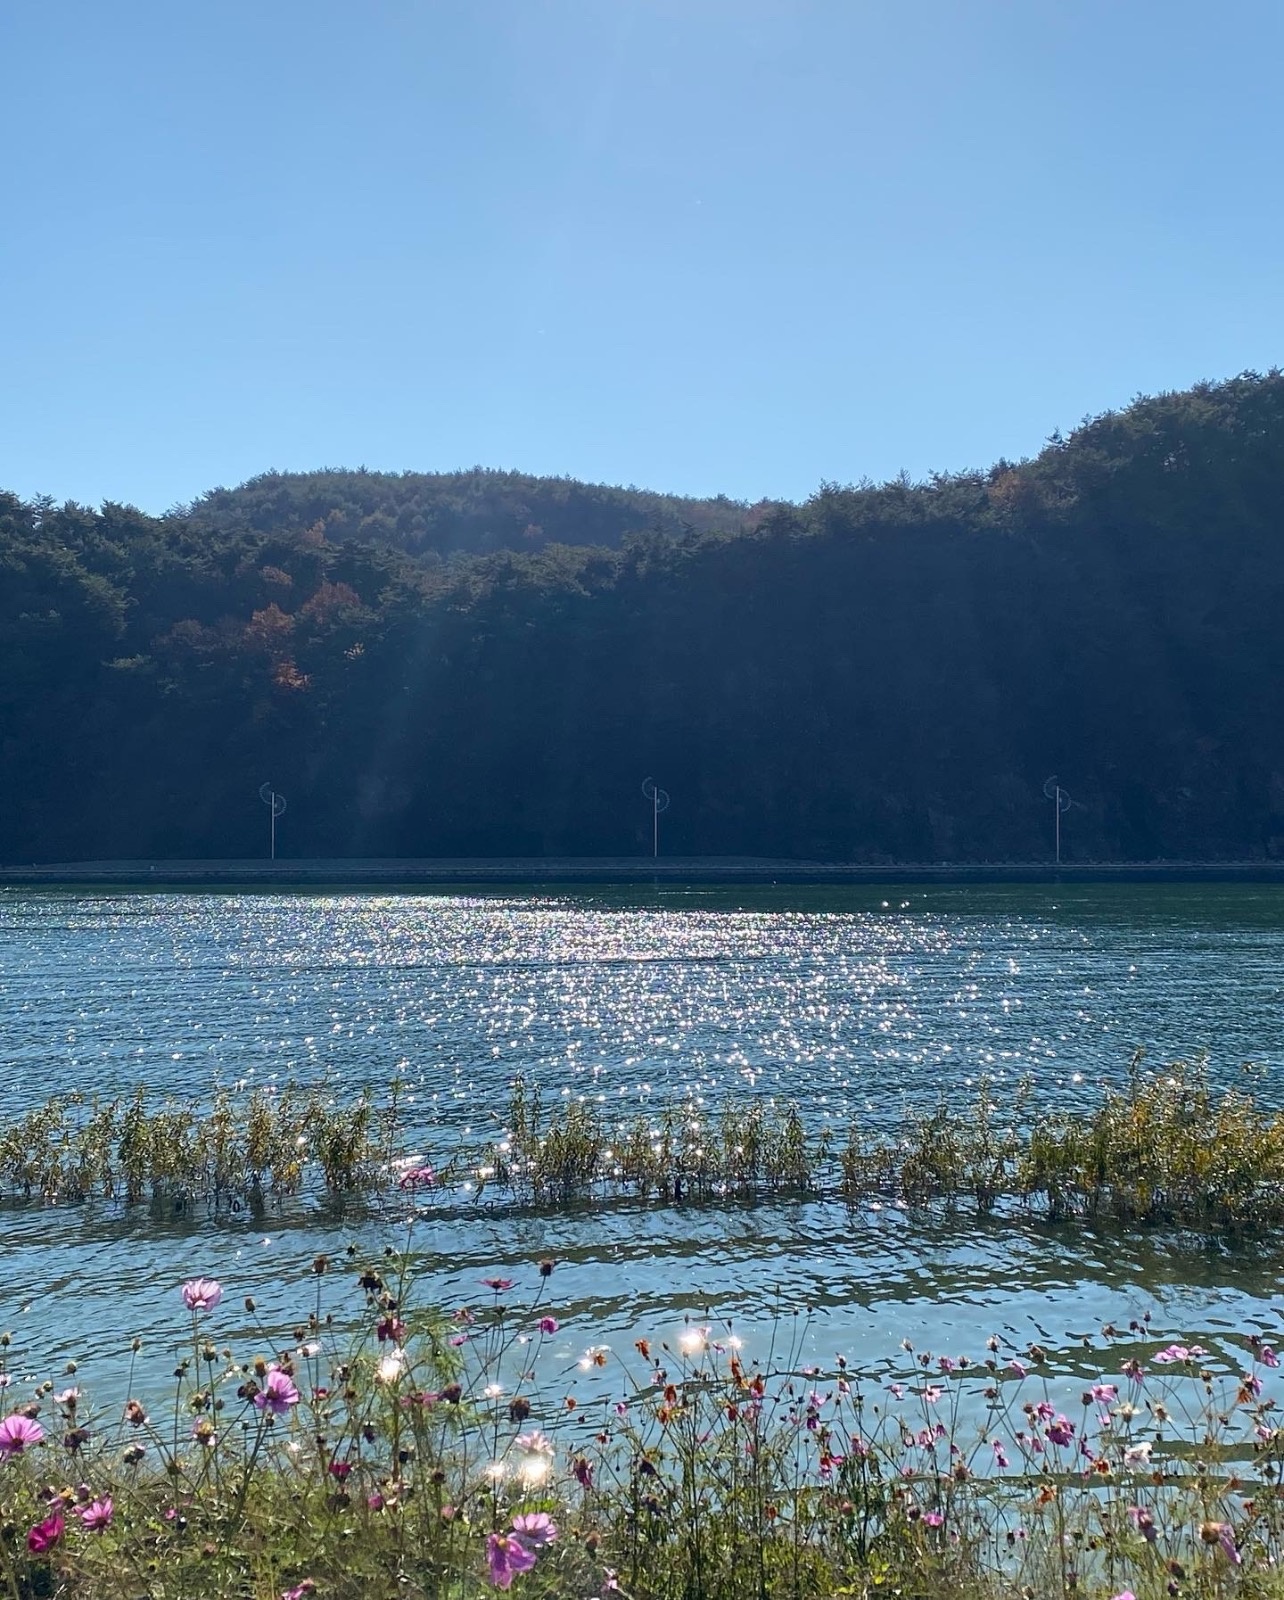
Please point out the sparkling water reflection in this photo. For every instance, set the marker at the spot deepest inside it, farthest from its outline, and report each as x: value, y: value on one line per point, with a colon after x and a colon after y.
x: 844, y: 1000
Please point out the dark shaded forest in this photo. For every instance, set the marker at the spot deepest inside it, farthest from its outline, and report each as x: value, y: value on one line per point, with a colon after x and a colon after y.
x: 489, y: 664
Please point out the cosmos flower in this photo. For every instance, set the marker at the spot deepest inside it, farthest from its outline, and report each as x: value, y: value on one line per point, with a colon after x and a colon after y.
x: 46, y: 1534
x: 535, y: 1529
x: 390, y: 1367
x: 1178, y: 1352
x: 506, y: 1556
x: 97, y: 1514
x: 17, y: 1432
x: 1061, y: 1431
x: 278, y: 1393
x: 202, y: 1294
x: 535, y: 1443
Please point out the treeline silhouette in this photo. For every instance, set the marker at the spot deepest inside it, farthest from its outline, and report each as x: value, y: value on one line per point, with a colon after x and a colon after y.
x: 887, y: 672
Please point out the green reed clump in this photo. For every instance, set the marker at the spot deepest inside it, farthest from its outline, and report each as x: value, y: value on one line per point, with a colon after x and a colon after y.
x: 380, y: 1446
x: 679, y: 1152
x: 1166, y: 1149
x: 130, y: 1149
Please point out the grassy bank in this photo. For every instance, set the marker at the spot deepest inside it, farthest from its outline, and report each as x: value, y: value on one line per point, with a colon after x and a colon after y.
x: 384, y: 1446
x: 1166, y: 1148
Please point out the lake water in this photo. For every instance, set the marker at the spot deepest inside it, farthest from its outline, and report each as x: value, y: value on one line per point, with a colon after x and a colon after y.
x: 845, y: 1000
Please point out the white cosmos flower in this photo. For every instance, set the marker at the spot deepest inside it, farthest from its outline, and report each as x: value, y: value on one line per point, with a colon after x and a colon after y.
x: 391, y: 1366
x: 536, y: 1443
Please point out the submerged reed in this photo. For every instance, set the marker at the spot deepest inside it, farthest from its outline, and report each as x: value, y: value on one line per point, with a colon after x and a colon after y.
x: 1166, y: 1148
x: 71, y: 1148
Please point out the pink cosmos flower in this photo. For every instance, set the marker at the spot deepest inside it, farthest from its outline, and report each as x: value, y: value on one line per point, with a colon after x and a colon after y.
x: 1019, y: 1367
x: 499, y: 1285
x: 278, y: 1393
x: 583, y: 1473
x: 548, y: 1324
x: 97, y: 1514
x: 1268, y: 1357
x: 506, y: 1556
x: 202, y: 1294
x: 17, y: 1432
x: 933, y: 1519
x: 1124, y: 1594
x: 46, y: 1534
x: 1000, y: 1457
x: 535, y: 1529
x: 300, y: 1590
x: 1178, y: 1352
x: 1105, y: 1392
x: 417, y: 1178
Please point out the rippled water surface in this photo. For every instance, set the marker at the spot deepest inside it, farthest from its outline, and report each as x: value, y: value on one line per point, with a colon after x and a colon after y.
x: 844, y: 1000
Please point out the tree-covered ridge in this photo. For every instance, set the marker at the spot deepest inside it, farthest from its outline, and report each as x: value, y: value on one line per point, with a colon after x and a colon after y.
x: 438, y: 514
x: 884, y: 673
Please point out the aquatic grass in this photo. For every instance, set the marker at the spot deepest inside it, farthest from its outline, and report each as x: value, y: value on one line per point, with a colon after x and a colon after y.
x: 386, y: 1445
x: 1167, y: 1148
x: 129, y: 1149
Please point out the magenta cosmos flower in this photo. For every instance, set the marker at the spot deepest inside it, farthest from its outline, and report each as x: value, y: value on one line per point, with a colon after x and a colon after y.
x: 202, y: 1294
x: 278, y: 1393
x: 46, y: 1534
x: 548, y: 1324
x: 97, y: 1514
x: 17, y: 1432
x: 506, y: 1556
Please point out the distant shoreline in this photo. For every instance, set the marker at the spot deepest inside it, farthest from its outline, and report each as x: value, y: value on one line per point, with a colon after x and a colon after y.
x: 622, y: 870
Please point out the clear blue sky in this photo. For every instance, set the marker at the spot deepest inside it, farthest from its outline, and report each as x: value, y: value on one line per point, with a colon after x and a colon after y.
x: 704, y: 245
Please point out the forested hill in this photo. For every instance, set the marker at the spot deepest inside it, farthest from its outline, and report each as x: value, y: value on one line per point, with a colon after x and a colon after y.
x: 883, y: 673
x: 439, y: 514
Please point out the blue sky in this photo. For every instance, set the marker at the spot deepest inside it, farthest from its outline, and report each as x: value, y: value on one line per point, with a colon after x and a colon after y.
x: 702, y: 245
